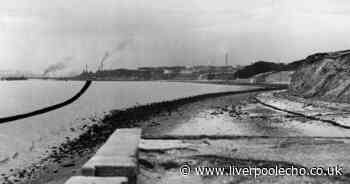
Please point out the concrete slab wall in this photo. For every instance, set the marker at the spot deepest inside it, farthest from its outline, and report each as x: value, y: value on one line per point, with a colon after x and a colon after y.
x: 97, y: 180
x: 117, y: 158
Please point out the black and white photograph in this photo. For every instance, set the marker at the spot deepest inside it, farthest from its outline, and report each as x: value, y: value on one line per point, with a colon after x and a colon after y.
x: 174, y: 92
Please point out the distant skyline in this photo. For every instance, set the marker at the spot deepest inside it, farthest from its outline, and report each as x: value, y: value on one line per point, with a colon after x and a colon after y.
x: 38, y: 34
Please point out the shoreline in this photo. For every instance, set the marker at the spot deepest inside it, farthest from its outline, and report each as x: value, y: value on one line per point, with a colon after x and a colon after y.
x: 220, y: 82
x: 173, y: 121
x: 233, y: 130
x: 66, y: 159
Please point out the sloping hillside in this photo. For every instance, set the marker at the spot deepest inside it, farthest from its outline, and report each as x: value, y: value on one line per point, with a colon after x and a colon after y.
x: 261, y: 67
x: 258, y: 67
x: 324, y: 76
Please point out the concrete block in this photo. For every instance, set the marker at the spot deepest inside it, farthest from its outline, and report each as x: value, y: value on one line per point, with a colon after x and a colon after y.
x: 123, y: 142
x: 117, y: 157
x: 120, y: 148
x: 111, y: 166
x: 97, y: 180
x: 132, y: 134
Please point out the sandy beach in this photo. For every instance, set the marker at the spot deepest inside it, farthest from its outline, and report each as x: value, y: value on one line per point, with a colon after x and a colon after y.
x: 63, y: 161
x: 240, y: 131
x: 208, y: 131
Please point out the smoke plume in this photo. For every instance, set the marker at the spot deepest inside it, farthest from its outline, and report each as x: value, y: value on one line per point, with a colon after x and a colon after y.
x: 120, y: 47
x: 54, y: 68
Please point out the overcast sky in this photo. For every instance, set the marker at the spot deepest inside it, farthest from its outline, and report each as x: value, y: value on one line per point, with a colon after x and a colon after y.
x: 37, y: 33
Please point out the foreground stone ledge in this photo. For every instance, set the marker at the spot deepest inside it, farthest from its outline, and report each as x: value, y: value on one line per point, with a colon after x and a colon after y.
x: 110, y: 166
x: 117, y: 157
x: 123, y: 142
x: 97, y: 180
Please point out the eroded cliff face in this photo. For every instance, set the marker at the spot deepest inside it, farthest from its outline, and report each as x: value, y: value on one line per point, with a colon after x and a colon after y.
x: 324, y: 76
